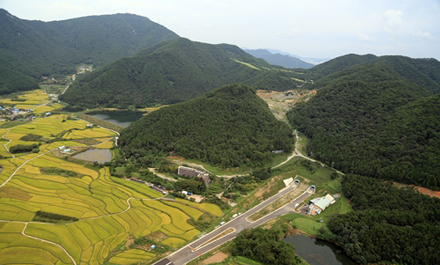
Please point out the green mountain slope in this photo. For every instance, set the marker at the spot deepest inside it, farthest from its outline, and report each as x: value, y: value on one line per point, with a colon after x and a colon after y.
x: 338, y: 64
x: 36, y: 48
x: 388, y: 225
x: 377, y: 119
x: 172, y: 72
x: 230, y: 126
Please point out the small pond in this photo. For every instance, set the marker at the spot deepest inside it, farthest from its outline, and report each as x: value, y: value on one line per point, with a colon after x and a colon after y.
x: 318, y: 252
x: 99, y: 155
x: 119, y: 117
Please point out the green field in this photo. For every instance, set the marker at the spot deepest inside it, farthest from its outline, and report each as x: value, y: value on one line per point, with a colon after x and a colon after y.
x: 108, y: 210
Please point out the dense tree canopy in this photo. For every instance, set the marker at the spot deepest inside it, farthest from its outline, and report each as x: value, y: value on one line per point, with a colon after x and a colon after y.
x: 230, y: 126
x: 32, y: 49
x: 172, y: 72
x: 378, y: 119
x: 388, y: 224
x: 265, y: 246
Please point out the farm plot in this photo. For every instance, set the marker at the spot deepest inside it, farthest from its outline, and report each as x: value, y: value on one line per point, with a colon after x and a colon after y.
x: 205, y: 207
x: 85, y: 197
x: 91, y: 240
x: 47, y: 108
x: 31, y: 98
x: 3, y: 152
x: 18, y: 249
x: 132, y: 256
x: 108, y: 143
x: 88, y: 133
x: 193, y: 212
x: 98, y: 211
x: 174, y: 242
x: 50, y: 127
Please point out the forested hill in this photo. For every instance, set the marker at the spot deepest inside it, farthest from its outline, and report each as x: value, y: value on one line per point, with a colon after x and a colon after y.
x: 173, y: 72
x: 31, y: 49
x: 338, y: 64
x: 279, y: 59
x: 388, y: 225
x: 379, y: 118
x: 228, y: 127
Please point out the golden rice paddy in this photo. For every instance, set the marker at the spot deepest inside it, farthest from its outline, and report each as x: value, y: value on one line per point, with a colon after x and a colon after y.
x: 107, y: 209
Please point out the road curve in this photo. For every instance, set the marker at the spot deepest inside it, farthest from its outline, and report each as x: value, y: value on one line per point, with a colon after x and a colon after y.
x: 187, y: 253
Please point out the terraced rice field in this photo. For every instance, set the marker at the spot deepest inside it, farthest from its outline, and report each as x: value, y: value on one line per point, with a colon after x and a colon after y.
x: 131, y: 256
x: 107, y: 209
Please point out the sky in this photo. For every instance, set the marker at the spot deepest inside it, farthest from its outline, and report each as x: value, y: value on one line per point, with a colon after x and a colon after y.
x: 308, y: 28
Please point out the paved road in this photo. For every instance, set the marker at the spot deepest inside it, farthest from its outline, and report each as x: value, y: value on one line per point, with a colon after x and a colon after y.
x: 196, y: 248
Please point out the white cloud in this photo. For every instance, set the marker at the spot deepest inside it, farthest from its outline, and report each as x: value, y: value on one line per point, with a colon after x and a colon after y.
x: 392, y: 20
x: 423, y: 34
x: 365, y: 37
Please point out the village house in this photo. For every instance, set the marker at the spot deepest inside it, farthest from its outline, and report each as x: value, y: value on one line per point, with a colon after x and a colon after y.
x: 64, y: 149
x: 318, y: 205
x: 191, y: 172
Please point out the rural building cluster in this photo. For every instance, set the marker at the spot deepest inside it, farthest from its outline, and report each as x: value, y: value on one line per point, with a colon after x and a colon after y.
x: 191, y: 172
x: 318, y: 205
x: 13, y: 113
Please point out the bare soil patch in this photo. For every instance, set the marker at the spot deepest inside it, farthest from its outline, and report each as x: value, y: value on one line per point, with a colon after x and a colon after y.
x: 280, y: 102
x: 129, y: 241
x: 157, y: 236
x: 219, y: 257
x: 426, y: 191
x: 266, y: 188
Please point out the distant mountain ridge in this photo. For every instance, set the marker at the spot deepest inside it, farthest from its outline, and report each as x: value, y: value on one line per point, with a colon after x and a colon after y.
x: 172, y: 72
x: 314, y: 61
x: 31, y: 49
x: 279, y: 59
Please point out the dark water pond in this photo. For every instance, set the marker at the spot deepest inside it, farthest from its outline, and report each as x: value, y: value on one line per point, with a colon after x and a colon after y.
x: 99, y: 155
x: 318, y: 252
x: 122, y: 118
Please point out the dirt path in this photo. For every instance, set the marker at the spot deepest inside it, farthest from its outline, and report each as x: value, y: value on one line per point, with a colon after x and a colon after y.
x: 5, y: 145
x: 50, y: 242
x: 161, y: 175
x: 25, y: 162
x: 296, y: 152
x: 67, y: 87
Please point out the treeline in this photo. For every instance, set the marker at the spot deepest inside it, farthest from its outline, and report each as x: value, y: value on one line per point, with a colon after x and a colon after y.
x: 169, y: 73
x: 60, y: 172
x: 229, y: 127
x: 388, y: 224
x: 378, y: 119
x: 31, y: 137
x: 42, y: 216
x: 21, y: 148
